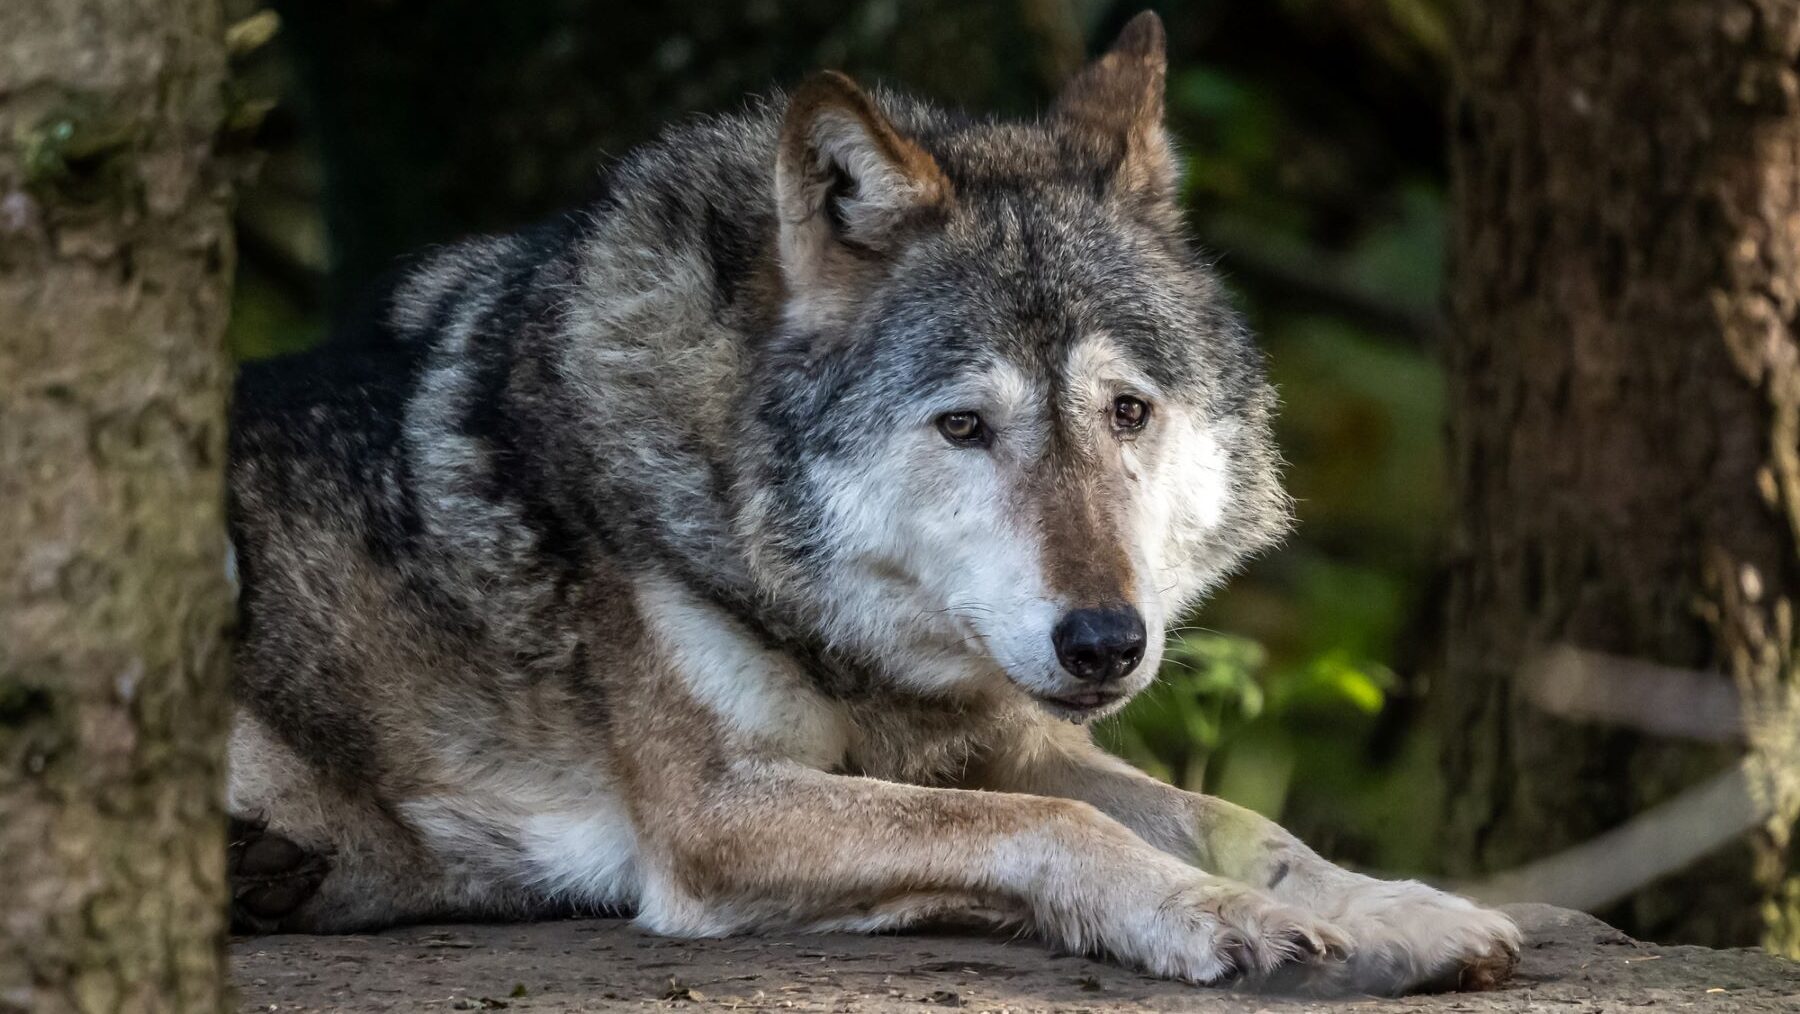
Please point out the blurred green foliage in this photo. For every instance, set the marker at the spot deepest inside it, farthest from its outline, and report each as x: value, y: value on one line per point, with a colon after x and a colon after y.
x: 1313, y: 141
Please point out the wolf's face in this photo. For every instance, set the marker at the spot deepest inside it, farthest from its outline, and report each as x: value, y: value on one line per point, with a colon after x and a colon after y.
x: 1021, y: 432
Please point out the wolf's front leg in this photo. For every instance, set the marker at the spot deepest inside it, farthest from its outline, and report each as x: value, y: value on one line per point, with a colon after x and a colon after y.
x: 1404, y: 935
x: 766, y: 844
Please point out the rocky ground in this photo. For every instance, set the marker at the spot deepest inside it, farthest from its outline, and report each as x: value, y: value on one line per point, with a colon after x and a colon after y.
x: 1572, y: 963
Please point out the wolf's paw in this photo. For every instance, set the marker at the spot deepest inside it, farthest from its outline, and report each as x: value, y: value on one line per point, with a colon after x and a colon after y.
x: 1262, y: 936
x: 1415, y: 938
x: 1209, y: 931
x: 270, y: 875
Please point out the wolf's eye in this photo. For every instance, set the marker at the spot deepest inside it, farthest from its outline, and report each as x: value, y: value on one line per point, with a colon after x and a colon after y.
x: 964, y: 429
x: 1130, y: 414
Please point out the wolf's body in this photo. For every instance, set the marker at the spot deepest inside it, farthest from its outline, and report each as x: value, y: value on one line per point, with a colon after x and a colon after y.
x: 737, y: 551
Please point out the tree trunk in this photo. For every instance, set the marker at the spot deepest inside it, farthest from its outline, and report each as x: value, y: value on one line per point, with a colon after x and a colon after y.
x: 1625, y: 383
x: 115, y: 265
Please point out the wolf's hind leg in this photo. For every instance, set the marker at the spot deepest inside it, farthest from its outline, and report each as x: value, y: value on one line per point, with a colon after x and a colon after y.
x: 317, y: 856
x: 271, y: 876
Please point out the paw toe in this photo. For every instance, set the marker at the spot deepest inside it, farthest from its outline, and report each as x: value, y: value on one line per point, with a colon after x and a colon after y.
x: 266, y: 855
x: 1309, y: 942
x: 271, y: 876
x: 1490, y: 970
x: 1293, y: 940
x: 1338, y: 944
x: 1304, y: 942
x: 1236, y: 953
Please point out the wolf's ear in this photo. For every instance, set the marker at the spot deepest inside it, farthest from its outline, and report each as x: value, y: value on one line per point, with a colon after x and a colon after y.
x: 1120, y: 97
x: 847, y: 184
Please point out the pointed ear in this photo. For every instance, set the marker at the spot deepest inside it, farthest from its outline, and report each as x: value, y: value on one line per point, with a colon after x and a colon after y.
x: 1120, y: 97
x: 848, y: 186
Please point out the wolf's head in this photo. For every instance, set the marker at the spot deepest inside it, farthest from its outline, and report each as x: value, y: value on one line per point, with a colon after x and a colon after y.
x: 1019, y: 431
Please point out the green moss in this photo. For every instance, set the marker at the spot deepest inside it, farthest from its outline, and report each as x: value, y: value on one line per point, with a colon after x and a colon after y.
x: 42, y: 151
x: 73, y: 152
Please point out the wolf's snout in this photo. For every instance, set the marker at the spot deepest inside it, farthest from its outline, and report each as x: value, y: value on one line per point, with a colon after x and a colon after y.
x: 1100, y: 645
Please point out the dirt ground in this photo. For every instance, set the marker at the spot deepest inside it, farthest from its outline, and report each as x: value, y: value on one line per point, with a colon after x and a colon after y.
x: 1572, y: 963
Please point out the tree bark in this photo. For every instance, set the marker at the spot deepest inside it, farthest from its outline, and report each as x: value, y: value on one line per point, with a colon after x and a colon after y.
x: 115, y: 262
x: 1625, y: 383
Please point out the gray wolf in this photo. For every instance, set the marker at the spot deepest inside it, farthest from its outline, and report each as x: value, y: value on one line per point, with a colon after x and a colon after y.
x: 750, y: 550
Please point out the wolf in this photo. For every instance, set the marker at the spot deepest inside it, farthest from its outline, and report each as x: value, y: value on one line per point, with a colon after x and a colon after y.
x: 752, y: 549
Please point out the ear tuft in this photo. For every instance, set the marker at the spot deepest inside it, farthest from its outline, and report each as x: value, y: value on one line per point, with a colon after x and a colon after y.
x: 844, y: 174
x: 1143, y: 36
x: 1120, y: 96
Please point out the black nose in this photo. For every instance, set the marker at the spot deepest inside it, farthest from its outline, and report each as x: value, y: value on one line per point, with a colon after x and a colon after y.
x: 1100, y: 645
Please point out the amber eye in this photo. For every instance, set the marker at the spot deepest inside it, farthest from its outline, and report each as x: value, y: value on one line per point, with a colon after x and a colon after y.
x: 1130, y: 413
x: 964, y: 429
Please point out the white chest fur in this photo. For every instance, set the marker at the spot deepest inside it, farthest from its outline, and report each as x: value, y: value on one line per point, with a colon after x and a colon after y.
x: 759, y: 696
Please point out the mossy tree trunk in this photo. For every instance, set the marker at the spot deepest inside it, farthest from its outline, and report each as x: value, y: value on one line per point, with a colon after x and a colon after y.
x: 1625, y: 378
x: 115, y: 264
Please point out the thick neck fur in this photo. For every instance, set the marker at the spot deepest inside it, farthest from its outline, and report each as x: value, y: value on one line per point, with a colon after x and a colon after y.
x: 675, y: 296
